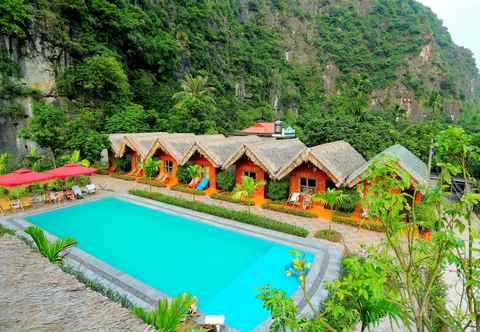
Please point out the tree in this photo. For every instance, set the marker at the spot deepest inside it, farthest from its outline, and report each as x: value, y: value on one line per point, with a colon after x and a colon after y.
x: 4, y: 158
x: 33, y: 159
x: 435, y: 103
x: 362, y: 293
x: 131, y: 119
x: 246, y: 189
x: 454, y: 152
x: 150, y: 169
x: 47, y: 128
x: 195, y: 107
x: 54, y: 252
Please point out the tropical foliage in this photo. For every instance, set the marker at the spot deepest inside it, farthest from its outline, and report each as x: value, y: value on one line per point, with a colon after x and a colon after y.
x: 54, y: 252
x: 4, y: 158
x: 169, y: 314
x: 246, y: 189
x: 150, y: 169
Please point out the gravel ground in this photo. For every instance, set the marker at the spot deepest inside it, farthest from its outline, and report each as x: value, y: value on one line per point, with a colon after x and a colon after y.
x: 36, y: 295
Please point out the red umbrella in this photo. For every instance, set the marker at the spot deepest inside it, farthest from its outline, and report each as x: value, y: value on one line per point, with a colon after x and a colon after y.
x: 69, y: 170
x: 23, y: 176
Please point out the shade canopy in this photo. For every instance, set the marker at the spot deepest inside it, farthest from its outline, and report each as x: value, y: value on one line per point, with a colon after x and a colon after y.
x: 23, y: 176
x: 69, y: 170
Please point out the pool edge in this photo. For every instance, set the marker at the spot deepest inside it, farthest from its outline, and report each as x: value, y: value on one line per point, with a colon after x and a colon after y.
x: 325, y: 267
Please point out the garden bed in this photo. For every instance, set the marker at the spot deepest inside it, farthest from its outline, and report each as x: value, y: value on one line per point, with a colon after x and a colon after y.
x: 122, y: 176
x: 346, y: 219
x: 240, y: 216
x: 223, y: 196
x: 153, y: 183
x: 329, y: 235
x: 289, y: 210
x: 185, y: 189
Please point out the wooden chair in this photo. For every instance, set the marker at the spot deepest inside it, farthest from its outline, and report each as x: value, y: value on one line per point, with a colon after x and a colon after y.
x: 26, y: 202
x: 69, y: 195
x: 5, y: 206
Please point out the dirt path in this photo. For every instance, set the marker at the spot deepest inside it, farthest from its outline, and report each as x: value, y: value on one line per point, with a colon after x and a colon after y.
x: 36, y: 295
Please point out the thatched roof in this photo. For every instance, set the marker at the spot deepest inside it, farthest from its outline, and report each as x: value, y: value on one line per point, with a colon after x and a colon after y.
x: 116, y: 142
x: 406, y: 160
x: 142, y: 142
x: 337, y: 159
x: 274, y: 155
x: 218, y: 151
x: 177, y: 145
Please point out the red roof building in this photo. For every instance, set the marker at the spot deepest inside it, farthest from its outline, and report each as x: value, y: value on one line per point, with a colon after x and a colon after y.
x: 260, y: 128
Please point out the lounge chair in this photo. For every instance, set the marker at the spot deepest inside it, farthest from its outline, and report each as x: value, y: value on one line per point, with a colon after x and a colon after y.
x: 5, y: 206
x: 293, y: 199
x: 213, y: 323
x: 39, y: 198
x: 77, y: 192
x: 91, y: 188
x: 203, y: 184
x: 194, y: 182
x: 161, y: 177
x: 26, y: 202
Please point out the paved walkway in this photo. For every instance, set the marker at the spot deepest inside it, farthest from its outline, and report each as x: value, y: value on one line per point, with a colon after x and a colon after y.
x: 354, y: 237
x: 38, y: 296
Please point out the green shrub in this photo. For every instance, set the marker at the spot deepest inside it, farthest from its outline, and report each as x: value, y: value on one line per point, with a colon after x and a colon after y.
x: 240, y: 216
x: 228, y: 198
x: 225, y: 181
x: 122, y: 165
x: 329, y: 235
x: 183, y: 175
x: 339, y: 218
x: 278, y: 190
x: 4, y: 231
x: 349, y: 200
x: 54, y: 252
x: 284, y: 209
x: 184, y: 189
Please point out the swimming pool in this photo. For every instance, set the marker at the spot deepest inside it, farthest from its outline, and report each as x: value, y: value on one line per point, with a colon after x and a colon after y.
x: 176, y: 254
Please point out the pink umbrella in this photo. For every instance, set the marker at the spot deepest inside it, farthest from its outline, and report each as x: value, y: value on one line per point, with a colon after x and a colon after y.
x: 69, y: 170
x: 23, y: 176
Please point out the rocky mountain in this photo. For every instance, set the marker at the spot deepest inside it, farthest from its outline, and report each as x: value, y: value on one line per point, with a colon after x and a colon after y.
x: 265, y: 58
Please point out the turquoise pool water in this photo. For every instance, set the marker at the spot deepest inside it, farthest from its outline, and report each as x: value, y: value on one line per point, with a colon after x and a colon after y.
x: 174, y: 254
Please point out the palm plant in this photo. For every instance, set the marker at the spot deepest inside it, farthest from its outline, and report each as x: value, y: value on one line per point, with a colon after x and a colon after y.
x: 168, y: 314
x: 435, y: 102
x: 54, y: 252
x: 331, y: 199
x: 33, y: 160
x: 150, y: 169
x: 194, y: 89
x: 194, y: 171
x: 75, y: 158
x: 246, y: 189
x: 4, y: 158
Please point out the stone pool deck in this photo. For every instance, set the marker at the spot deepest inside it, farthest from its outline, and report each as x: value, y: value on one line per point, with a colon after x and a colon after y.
x: 354, y: 237
x: 38, y: 296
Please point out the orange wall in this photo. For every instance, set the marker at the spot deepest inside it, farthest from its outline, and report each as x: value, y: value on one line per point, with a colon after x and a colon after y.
x: 162, y: 157
x: 244, y: 164
x: 200, y: 160
x: 307, y: 171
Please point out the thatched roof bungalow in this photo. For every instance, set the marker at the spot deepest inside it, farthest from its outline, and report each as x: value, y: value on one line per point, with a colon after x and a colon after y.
x: 320, y: 167
x: 406, y: 161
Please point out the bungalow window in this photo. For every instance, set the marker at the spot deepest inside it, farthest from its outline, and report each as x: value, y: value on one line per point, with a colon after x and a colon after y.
x: 168, y: 166
x: 308, y: 185
x: 251, y: 174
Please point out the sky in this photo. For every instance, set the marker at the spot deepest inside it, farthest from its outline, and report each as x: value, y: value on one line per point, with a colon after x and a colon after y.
x: 462, y: 18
